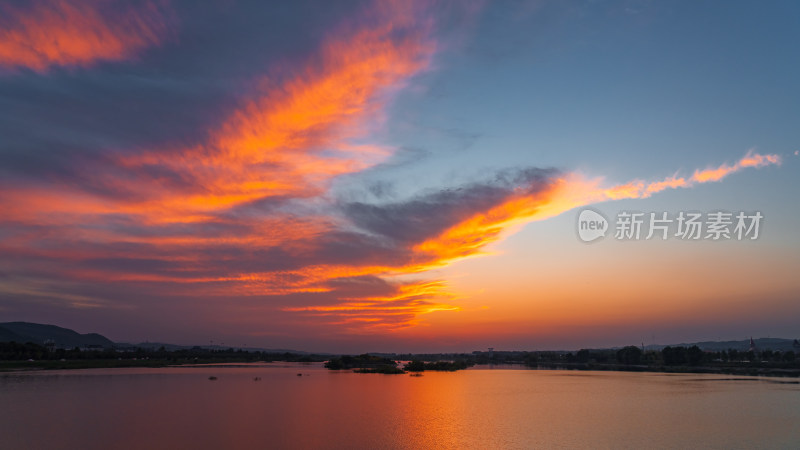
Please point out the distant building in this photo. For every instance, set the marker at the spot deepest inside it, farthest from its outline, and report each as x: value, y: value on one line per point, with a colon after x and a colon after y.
x: 753, y: 347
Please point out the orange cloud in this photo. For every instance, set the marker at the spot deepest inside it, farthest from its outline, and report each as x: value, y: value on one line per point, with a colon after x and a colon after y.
x: 77, y: 33
x: 641, y: 189
x: 386, y: 313
x: 470, y: 236
x: 287, y: 143
x: 672, y: 182
x: 293, y: 139
x: 751, y: 159
x: 629, y: 190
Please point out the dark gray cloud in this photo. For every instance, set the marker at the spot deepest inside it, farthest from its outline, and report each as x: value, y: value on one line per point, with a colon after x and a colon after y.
x: 427, y: 215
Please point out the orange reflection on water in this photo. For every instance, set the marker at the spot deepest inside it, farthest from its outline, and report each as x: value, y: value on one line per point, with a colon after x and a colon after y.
x: 472, y: 409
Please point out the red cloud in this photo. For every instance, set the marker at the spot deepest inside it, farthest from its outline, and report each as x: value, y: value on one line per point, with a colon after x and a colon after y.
x: 77, y: 33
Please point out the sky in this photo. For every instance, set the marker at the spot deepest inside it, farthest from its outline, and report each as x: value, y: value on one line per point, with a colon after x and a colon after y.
x: 400, y: 176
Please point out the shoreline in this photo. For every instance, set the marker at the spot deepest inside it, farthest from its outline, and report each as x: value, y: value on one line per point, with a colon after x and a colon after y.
x: 36, y: 366
x: 713, y: 370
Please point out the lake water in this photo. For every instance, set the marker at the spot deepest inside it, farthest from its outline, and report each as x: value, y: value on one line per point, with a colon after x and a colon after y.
x: 173, y: 408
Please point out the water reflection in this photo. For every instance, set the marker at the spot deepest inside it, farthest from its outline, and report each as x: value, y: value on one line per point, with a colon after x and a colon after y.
x: 500, y: 408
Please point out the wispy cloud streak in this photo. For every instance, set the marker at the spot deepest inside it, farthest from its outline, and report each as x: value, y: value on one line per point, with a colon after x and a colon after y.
x: 641, y: 189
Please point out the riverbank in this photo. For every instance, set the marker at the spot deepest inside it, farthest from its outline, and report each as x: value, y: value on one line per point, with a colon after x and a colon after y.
x: 721, y: 370
x: 71, y: 364
x: 17, y: 366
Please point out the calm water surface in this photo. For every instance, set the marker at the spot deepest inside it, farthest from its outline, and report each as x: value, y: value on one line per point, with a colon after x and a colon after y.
x: 173, y: 408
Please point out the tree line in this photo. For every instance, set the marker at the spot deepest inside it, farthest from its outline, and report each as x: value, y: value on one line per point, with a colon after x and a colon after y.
x: 14, y: 351
x: 671, y: 358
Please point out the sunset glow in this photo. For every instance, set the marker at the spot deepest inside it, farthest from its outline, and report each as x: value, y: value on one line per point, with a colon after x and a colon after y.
x: 299, y: 192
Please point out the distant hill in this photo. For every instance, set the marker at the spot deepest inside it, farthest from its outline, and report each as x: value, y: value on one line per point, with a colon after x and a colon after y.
x: 783, y: 345
x: 173, y: 347
x: 38, y: 333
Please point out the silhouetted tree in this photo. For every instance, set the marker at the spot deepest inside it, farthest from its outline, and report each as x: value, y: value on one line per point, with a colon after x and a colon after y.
x: 629, y: 355
x: 694, y: 355
x: 674, y: 356
x: 583, y: 355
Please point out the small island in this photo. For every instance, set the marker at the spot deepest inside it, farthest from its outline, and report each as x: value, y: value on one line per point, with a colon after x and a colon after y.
x: 367, y: 363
